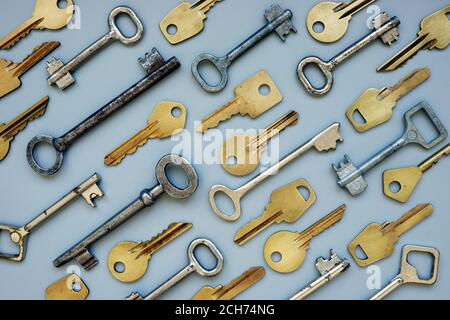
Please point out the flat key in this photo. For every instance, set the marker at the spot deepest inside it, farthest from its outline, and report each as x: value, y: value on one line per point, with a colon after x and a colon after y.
x: 278, y: 21
x: 377, y: 241
x: 292, y: 246
x: 287, y: 204
x: 241, y: 154
x: 167, y: 119
x: 71, y: 287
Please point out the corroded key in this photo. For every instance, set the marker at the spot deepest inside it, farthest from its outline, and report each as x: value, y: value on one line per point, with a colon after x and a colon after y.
x: 71, y: 287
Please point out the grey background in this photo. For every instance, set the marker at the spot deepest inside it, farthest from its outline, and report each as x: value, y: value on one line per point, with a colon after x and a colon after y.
x: 24, y: 193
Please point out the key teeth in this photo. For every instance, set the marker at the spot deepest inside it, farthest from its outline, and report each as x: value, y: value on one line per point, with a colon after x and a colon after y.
x: 390, y: 36
x: 324, y: 265
x: 116, y: 162
x: 286, y: 27
x: 87, y: 260
x: 134, y: 296
x: 151, y: 61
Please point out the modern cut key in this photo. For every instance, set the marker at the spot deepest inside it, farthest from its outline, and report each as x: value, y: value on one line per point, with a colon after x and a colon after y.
x: 71, y: 287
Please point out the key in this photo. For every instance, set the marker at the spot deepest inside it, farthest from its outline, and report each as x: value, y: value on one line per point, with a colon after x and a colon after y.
x: 375, y: 106
x: 434, y: 34
x: 385, y: 29
x: 156, y: 68
x: 10, y: 72
x: 324, y: 141
x: 234, y: 288
x: 292, y: 246
x: 147, y: 197
x: 241, y: 154
x: 250, y: 100
x: 287, y: 204
x: 11, y: 129
x: 377, y: 241
x: 71, y: 287
x: 334, y: 18
x: 88, y: 189
x: 193, y: 266
x: 135, y: 257
x: 408, y: 273
x: 408, y: 178
x: 46, y: 15
x: 162, y: 123
x: 60, y: 73
x: 187, y: 20
x: 351, y: 177
x: 278, y: 21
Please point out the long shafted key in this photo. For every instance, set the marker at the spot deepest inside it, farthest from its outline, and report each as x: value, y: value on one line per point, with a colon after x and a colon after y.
x: 167, y: 119
x: 324, y: 141
x: 375, y: 106
x: 157, y: 69
x: 377, y: 241
x: 292, y: 246
x: 80, y: 251
x: 278, y: 21
x: 351, y: 177
x: 287, y: 204
x: 385, y: 29
x: 193, y: 266
x: 133, y: 258
x: 19, y: 235
x: 241, y: 154
x: 434, y: 34
x: 60, y: 74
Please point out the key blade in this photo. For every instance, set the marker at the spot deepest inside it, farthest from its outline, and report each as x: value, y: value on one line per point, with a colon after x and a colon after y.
x: 434, y: 159
x: 410, y: 219
x: 328, y: 138
x: 39, y: 53
x: 224, y: 113
x: 204, y: 5
x: 21, y: 32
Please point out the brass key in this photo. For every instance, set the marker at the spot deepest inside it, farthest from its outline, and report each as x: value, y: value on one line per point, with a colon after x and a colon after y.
x: 245, y: 150
x: 287, y: 204
x: 292, y: 246
x: 253, y: 97
x: 71, y: 287
x: 377, y: 241
x: 408, y: 178
x: 167, y: 119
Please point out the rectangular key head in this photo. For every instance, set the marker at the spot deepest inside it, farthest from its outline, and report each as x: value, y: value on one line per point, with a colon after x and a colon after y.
x: 275, y: 12
x: 345, y: 168
x: 152, y: 61
x: 405, y: 178
x: 409, y: 273
x: 436, y: 28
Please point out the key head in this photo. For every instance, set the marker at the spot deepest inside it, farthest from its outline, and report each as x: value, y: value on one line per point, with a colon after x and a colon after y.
x: 34, y: 164
x: 125, y: 264
x: 239, y: 157
x: 8, y: 82
x: 392, y: 34
x: 207, y: 293
x: 344, y: 169
x: 334, y: 26
x: 409, y: 273
x: 71, y: 287
x: 436, y: 28
x: 291, y: 252
x: 18, y: 236
x: 197, y: 266
x: 170, y: 118
x: 275, y: 12
x: 405, y: 178
x: 54, y: 17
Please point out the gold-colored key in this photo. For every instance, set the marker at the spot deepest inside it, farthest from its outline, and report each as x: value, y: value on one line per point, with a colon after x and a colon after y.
x: 377, y: 241
x: 186, y: 20
x: 292, y: 246
x: 407, y: 178
x: 234, y: 288
x: 128, y: 261
x: 434, y: 34
x: 46, y: 15
x: 241, y: 154
x: 287, y: 204
x: 375, y: 106
x: 11, y: 129
x: 167, y: 119
x: 253, y: 97
x: 71, y: 287
x: 10, y: 72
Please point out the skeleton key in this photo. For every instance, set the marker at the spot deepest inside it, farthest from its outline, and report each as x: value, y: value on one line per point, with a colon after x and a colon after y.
x: 246, y: 150
x: 250, y: 100
x: 135, y: 257
x: 434, y: 34
x: 162, y: 123
x: 71, y: 287
x: 11, y: 129
x: 378, y: 241
x: 385, y: 29
x: 408, y: 178
x: 351, y: 177
x: 287, y: 204
x: 292, y: 246
x: 46, y: 15
x: 10, y: 72
x: 278, y: 21
x: 60, y: 74
x: 187, y: 20
x: 324, y: 141
x: 375, y: 106
x: 80, y: 251
x: 157, y: 69
x: 334, y: 18
x: 193, y: 266
x: 89, y: 190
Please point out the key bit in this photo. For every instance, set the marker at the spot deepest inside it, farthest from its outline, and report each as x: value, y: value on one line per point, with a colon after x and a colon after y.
x: 390, y: 35
x: 71, y: 287
x: 283, y: 30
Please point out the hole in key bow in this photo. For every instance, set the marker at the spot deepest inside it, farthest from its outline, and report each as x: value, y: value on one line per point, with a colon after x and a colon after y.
x: 126, y: 26
x: 172, y: 29
x: 318, y: 27
x: 360, y: 254
x: 205, y: 257
x: 358, y: 117
x: 119, y: 267
x: 209, y: 72
x: 45, y: 154
x: 7, y: 247
x: 314, y: 75
x: 76, y: 286
x: 264, y: 90
x: 275, y: 257
x: 176, y: 112
x: 395, y: 187
x: 424, y: 125
x: 423, y: 262
x: 177, y: 176
x: 232, y: 161
x: 62, y: 4
x: 224, y: 203
x: 304, y: 192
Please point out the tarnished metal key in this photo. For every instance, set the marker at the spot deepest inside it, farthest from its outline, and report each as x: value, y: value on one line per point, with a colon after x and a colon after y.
x: 71, y: 287
x: 80, y: 251
x: 278, y: 21
x: 157, y: 69
x: 60, y: 74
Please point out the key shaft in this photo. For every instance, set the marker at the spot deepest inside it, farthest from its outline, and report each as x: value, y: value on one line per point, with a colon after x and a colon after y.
x: 434, y: 159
